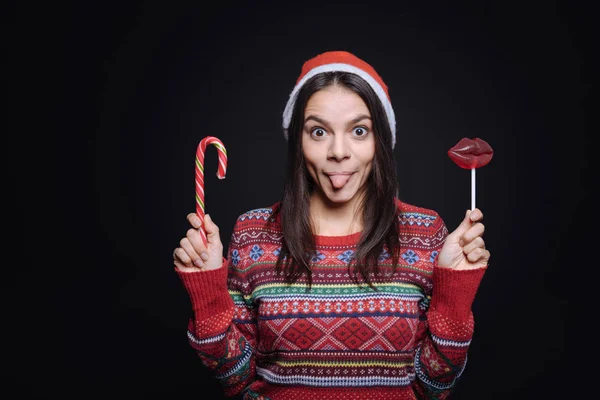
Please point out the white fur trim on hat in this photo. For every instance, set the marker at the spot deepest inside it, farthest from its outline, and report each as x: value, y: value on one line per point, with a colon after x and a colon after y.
x: 287, y: 113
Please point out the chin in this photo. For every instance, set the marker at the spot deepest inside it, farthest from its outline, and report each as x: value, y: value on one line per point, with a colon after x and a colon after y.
x: 341, y: 198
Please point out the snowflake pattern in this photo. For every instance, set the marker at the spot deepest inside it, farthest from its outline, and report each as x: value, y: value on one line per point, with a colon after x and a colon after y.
x: 383, y: 256
x: 235, y: 257
x: 317, y: 257
x: 339, y: 305
x: 256, y: 252
x: 346, y: 256
x: 433, y: 255
x: 410, y: 257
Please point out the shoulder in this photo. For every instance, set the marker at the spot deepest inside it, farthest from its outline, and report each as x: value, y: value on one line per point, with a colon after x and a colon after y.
x: 419, y: 226
x: 410, y: 214
x: 257, y: 224
x: 258, y: 215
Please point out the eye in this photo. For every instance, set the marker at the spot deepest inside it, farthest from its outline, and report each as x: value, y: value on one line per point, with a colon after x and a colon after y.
x: 318, y: 132
x: 360, y: 131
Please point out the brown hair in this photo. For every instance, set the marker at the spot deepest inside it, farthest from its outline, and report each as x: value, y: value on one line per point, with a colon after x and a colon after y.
x: 380, y: 214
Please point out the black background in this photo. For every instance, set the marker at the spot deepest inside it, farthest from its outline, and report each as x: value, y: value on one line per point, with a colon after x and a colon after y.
x: 109, y: 101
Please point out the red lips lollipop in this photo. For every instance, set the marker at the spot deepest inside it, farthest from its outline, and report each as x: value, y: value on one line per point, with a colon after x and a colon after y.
x: 471, y: 154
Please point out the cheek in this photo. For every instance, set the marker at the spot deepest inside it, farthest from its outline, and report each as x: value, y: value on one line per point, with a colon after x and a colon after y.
x: 311, y: 156
x: 311, y: 168
x: 367, y: 156
x: 369, y: 168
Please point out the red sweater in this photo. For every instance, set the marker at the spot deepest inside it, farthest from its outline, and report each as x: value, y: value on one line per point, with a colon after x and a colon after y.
x: 271, y: 340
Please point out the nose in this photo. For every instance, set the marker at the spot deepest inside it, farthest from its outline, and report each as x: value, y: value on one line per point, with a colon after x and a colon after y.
x: 338, y: 148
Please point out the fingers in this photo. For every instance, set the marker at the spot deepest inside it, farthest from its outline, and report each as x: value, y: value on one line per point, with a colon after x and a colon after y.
x: 472, y: 240
x: 194, y: 234
x: 467, y: 222
x: 210, y: 228
x: 474, y: 244
x: 469, y: 227
x: 187, y: 256
x: 181, y: 258
x: 473, y: 232
x: 194, y: 220
x: 179, y: 255
x: 478, y: 255
x: 192, y: 252
x: 475, y: 215
x: 194, y: 247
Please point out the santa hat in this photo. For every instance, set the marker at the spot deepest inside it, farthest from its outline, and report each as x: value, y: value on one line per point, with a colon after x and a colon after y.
x: 346, y: 62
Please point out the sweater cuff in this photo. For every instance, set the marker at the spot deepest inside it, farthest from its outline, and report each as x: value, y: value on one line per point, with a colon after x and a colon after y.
x: 207, y: 291
x: 454, y: 291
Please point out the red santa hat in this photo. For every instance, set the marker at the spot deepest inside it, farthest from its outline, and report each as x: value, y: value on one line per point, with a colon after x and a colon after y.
x: 346, y: 62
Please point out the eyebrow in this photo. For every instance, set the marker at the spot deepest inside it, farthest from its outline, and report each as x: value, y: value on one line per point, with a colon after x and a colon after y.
x: 322, y: 121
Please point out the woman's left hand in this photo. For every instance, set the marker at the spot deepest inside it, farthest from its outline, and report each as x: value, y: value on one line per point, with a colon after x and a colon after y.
x: 464, y: 248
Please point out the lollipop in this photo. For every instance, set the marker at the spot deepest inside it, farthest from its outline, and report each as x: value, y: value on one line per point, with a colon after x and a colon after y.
x: 200, y: 151
x: 471, y: 154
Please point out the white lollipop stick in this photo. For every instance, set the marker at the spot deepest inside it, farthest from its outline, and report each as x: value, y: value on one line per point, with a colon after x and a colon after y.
x: 472, y: 189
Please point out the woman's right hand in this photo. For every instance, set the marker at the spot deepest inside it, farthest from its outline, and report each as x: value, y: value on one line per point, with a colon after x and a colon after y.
x: 193, y: 255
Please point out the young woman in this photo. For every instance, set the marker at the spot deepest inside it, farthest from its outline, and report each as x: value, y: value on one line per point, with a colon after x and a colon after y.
x: 339, y: 290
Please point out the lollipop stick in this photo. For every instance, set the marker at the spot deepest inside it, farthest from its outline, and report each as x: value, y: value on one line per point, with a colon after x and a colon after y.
x: 472, y: 188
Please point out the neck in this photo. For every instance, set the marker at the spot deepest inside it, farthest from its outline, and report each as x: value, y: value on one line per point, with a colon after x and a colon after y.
x: 333, y: 219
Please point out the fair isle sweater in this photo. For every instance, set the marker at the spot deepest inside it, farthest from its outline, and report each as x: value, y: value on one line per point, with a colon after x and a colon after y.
x: 267, y: 339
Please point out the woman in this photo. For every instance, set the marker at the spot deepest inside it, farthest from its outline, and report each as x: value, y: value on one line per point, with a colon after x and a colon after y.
x: 338, y: 289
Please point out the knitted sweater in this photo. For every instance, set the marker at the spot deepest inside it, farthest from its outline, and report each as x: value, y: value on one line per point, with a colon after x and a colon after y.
x: 271, y: 340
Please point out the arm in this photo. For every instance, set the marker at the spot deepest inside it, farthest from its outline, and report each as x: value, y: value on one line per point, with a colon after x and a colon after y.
x: 448, y: 328
x: 223, y: 327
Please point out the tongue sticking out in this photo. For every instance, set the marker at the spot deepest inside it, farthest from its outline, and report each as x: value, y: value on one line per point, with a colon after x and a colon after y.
x: 338, y: 181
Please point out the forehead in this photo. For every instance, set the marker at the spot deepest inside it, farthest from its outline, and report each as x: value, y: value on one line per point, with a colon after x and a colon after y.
x: 336, y: 101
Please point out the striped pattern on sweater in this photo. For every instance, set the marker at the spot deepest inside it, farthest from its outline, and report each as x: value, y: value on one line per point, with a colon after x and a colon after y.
x: 274, y: 340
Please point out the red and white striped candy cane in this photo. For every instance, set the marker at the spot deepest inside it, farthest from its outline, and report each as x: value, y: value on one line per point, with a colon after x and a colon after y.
x: 201, y: 150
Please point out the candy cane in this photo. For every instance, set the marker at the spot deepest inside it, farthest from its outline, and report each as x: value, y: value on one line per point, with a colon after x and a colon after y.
x: 200, y: 151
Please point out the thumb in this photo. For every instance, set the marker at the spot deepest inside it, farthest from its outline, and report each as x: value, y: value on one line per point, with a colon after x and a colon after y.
x: 464, y: 225
x: 209, y: 226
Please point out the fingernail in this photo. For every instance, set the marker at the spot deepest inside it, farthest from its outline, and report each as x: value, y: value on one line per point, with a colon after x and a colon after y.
x: 207, y: 216
x: 199, y: 263
x: 204, y: 256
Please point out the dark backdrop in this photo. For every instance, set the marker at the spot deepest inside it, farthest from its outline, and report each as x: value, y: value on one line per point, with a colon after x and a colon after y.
x: 111, y: 101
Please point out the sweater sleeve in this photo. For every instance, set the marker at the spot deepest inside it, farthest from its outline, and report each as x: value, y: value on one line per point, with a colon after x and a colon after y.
x: 448, y: 327
x: 222, y: 329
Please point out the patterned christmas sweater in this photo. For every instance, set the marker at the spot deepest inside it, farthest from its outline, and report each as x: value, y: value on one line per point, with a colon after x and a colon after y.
x: 267, y: 339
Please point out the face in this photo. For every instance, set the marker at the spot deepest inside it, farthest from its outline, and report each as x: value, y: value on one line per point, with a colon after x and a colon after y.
x: 338, y: 144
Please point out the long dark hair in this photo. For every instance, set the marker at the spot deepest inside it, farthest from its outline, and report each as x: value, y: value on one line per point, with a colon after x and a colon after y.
x: 378, y: 203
